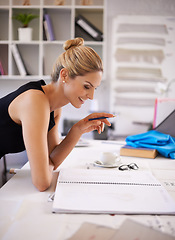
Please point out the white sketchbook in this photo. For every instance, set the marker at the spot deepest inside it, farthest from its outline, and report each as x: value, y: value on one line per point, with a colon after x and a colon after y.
x: 110, y: 192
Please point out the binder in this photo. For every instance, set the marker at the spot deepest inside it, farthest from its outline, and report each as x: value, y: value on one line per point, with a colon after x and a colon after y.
x: 89, y: 28
x: 18, y: 60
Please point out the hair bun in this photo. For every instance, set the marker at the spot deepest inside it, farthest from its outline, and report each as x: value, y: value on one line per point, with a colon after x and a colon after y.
x: 73, y: 43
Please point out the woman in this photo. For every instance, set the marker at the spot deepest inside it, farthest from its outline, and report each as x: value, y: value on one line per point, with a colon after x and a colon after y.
x: 30, y: 115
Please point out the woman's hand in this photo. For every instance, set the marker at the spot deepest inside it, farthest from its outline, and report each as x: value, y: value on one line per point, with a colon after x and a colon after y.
x: 61, y: 151
x: 85, y: 126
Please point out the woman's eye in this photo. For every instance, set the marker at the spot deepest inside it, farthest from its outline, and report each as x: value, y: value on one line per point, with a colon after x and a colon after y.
x: 87, y: 87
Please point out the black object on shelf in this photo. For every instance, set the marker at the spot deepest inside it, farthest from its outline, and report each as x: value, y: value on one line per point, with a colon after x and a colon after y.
x: 89, y: 28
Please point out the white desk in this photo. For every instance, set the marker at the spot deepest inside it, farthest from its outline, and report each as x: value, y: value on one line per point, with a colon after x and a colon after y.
x: 25, y: 213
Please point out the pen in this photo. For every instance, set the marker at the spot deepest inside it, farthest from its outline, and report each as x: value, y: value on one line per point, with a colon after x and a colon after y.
x: 17, y: 170
x: 98, y: 118
x: 13, y: 170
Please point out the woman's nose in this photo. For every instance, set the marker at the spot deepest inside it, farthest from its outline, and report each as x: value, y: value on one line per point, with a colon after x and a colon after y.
x: 91, y: 94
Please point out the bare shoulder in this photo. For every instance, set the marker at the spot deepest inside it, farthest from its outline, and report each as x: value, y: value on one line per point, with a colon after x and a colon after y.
x: 35, y: 102
x: 34, y: 96
x: 31, y: 103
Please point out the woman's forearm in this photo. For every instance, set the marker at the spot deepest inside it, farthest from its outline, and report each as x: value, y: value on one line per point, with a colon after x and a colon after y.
x: 62, y: 150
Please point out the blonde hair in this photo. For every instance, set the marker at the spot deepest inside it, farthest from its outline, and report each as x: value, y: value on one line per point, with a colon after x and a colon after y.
x: 77, y: 59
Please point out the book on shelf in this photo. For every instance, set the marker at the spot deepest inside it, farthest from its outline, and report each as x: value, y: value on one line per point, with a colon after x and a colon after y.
x: 48, y: 27
x: 18, y: 60
x: 45, y: 31
x: 89, y: 28
x: 2, y: 72
x: 79, y: 32
x: 110, y: 192
x: 127, y: 150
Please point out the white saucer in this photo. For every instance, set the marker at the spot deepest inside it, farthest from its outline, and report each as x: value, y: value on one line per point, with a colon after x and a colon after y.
x: 99, y: 164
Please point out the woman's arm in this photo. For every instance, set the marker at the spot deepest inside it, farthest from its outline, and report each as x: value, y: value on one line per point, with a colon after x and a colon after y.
x: 53, y: 135
x: 61, y: 151
x: 45, y: 152
x: 34, y: 116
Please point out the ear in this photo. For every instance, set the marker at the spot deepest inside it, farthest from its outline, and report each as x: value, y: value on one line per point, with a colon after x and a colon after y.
x: 64, y: 74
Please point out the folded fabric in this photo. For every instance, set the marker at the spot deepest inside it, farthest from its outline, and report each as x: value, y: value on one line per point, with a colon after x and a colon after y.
x: 163, y: 143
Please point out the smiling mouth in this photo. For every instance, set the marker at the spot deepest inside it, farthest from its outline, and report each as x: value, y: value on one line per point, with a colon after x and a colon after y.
x: 82, y: 100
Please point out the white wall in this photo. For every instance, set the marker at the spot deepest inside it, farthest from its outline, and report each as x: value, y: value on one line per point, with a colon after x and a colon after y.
x: 6, y: 86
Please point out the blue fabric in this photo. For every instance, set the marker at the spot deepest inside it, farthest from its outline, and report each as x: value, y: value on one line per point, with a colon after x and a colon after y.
x: 163, y: 143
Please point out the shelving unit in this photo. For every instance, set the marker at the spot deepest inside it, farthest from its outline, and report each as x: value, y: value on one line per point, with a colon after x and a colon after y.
x: 39, y: 55
x: 141, y: 61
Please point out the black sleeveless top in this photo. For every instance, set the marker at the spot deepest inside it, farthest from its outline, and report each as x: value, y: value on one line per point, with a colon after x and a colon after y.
x: 11, y: 138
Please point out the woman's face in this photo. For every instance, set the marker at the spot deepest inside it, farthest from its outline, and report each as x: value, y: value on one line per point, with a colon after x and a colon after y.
x: 82, y: 88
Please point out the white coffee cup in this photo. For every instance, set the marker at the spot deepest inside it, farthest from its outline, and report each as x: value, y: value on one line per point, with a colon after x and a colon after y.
x: 109, y: 158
